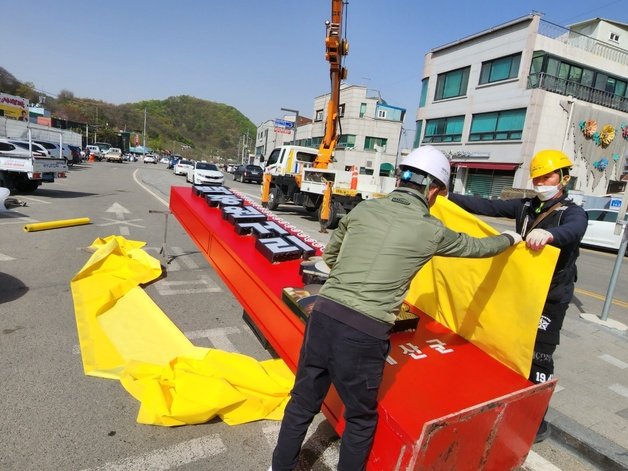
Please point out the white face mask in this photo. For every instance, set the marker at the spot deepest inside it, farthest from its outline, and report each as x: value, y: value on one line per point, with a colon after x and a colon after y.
x: 544, y: 192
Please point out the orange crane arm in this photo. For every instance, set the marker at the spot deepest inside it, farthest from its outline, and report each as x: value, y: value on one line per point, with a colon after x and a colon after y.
x: 335, y: 48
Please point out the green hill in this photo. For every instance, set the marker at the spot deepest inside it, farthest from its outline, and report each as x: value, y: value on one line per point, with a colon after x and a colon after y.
x: 209, y: 129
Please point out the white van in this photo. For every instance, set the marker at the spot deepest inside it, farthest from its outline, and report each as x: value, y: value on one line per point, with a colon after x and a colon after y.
x: 95, y: 151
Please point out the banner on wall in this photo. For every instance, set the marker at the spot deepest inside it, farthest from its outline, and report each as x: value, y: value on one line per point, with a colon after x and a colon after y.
x: 14, y: 107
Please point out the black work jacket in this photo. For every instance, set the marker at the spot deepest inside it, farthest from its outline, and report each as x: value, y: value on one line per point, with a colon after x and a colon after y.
x: 567, y: 224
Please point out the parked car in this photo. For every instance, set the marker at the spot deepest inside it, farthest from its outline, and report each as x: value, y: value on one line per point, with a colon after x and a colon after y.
x: 53, y: 149
x: 103, y: 146
x: 600, y: 231
x: 204, y: 173
x: 150, y: 159
x: 248, y: 173
x: 38, y: 149
x: 95, y: 151
x: 182, y: 167
x: 231, y: 168
x: 114, y: 154
x: 16, y: 148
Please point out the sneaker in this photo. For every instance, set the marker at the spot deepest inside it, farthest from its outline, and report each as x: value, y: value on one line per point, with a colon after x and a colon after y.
x: 543, y: 432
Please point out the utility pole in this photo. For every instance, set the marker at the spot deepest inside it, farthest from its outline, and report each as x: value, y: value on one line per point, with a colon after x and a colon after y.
x: 144, y: 134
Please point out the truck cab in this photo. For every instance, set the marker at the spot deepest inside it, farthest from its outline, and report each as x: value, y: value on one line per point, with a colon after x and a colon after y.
x: 290, y: 160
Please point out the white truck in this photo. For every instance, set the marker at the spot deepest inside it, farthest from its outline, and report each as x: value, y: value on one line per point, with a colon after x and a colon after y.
x: 24, y: 170
x: 294, y: 179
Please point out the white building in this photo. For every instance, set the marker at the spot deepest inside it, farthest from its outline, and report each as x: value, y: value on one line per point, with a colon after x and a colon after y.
x: 366, y: 121
x: 493, y: 99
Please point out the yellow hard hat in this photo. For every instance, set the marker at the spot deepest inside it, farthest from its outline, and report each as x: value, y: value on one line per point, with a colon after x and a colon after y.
x: 547, y: 161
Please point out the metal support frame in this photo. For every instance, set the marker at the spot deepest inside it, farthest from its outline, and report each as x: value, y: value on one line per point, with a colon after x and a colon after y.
x: 162, y: 251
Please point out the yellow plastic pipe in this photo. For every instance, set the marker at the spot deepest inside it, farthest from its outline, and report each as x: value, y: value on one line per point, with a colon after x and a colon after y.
x: 43, y: 226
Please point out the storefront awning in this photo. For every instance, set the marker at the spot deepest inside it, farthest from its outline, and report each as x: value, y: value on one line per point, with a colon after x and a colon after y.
x: 486, y: 165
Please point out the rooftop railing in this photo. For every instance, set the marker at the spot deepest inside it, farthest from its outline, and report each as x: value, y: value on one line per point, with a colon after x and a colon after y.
x: 577, y: 90
x: 581, y: 41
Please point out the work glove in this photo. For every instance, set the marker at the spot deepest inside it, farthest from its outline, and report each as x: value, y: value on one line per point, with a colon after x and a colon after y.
x: 538, y: 238
x: 514, y: 237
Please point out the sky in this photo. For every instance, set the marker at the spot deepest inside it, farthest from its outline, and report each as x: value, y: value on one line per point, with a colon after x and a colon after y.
x: 256, y: 55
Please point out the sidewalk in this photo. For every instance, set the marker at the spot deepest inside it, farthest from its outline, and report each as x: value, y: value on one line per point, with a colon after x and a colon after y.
x: 589, y: 409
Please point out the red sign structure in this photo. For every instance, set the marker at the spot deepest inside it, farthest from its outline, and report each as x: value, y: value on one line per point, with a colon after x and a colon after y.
x: 443, y: 404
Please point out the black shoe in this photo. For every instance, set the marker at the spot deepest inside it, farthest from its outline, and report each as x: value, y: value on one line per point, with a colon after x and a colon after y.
x: 543, y: 432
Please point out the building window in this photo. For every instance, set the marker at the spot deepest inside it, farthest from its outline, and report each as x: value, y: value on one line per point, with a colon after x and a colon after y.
x: 424, y: 84
x: 590, y: 85
x: 500, y: 69
x: 498, y: 126
x: 444, y: 129
x: 362, y: 110
x: 371, y: 142
x: 417, y: 135
x: 614, y: 37
x: 381, y: 114
x: 346, y: 141
x: 341, y: 110
x: 319, y: 115
x: 452, y: 84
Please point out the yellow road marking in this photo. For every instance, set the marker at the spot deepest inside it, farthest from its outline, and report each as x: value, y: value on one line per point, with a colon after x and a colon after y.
x: 616, y: 302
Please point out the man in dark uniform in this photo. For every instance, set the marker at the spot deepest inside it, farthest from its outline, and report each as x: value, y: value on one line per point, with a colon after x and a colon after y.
x: 549, y: 218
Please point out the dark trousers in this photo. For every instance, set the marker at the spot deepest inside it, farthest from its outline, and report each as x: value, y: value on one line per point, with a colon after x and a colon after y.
x: 334, y: 353
x: 547, y: 339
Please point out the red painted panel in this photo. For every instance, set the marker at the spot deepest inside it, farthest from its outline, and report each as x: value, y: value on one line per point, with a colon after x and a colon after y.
x: 444, y: 403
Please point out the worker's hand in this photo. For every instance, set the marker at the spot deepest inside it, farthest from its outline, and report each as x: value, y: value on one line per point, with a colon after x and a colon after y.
x: 538, y: 238
x: 513, y: 236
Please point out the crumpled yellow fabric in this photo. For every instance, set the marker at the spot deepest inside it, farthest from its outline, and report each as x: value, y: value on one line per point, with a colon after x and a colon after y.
x: 124, y: 335
x: 495, y: 303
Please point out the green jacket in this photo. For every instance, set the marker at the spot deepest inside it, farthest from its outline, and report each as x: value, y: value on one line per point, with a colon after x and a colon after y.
x: 380, y: 246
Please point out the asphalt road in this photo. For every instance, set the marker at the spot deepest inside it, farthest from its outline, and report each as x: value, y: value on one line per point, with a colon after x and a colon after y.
x: 53, y: 417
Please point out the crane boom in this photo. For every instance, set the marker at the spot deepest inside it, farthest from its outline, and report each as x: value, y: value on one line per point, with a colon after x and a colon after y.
x: 335, y: 48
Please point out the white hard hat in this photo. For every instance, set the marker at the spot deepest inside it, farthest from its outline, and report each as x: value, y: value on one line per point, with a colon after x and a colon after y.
x: 430, y: 160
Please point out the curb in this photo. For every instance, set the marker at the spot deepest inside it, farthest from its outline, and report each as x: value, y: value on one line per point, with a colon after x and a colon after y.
x: 590, y: 445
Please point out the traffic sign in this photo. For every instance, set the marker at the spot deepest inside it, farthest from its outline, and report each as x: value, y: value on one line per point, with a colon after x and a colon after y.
x: 282, y: 123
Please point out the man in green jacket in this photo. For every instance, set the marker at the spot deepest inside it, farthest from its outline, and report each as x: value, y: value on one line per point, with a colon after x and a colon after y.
x: 374, y: 254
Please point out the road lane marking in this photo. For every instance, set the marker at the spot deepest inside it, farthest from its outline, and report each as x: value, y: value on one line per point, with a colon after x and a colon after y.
x: 187, y: 260
x: 614, y: 361
x: 535, y: 462
x: 128, y: 222
x: 36, y: 200
x: 169, y: 288
x: 601, y: 297
x: 159, y: 198
x: 324, y: 447
x: 169, y: 458
x: 5, y: 258
x: 18, y: 220
x: 619, y: 389
x: 218, y: 337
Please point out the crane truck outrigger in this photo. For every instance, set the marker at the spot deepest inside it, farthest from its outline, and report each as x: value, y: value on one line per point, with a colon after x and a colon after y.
x: 299, y: 175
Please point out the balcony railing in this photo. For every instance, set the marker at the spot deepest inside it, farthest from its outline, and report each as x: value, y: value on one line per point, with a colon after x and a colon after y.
x: 581, y: 41
x: 577, y: 90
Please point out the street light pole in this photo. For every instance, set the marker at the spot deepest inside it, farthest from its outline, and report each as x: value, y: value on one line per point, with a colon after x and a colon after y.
x: 296, y: 120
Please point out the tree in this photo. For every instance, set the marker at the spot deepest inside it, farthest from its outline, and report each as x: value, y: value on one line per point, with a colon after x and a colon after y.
x: 65, y: 95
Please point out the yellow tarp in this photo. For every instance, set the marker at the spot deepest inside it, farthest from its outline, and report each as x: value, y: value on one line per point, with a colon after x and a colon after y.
x: 495, y: 303
x: 124, y: 335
